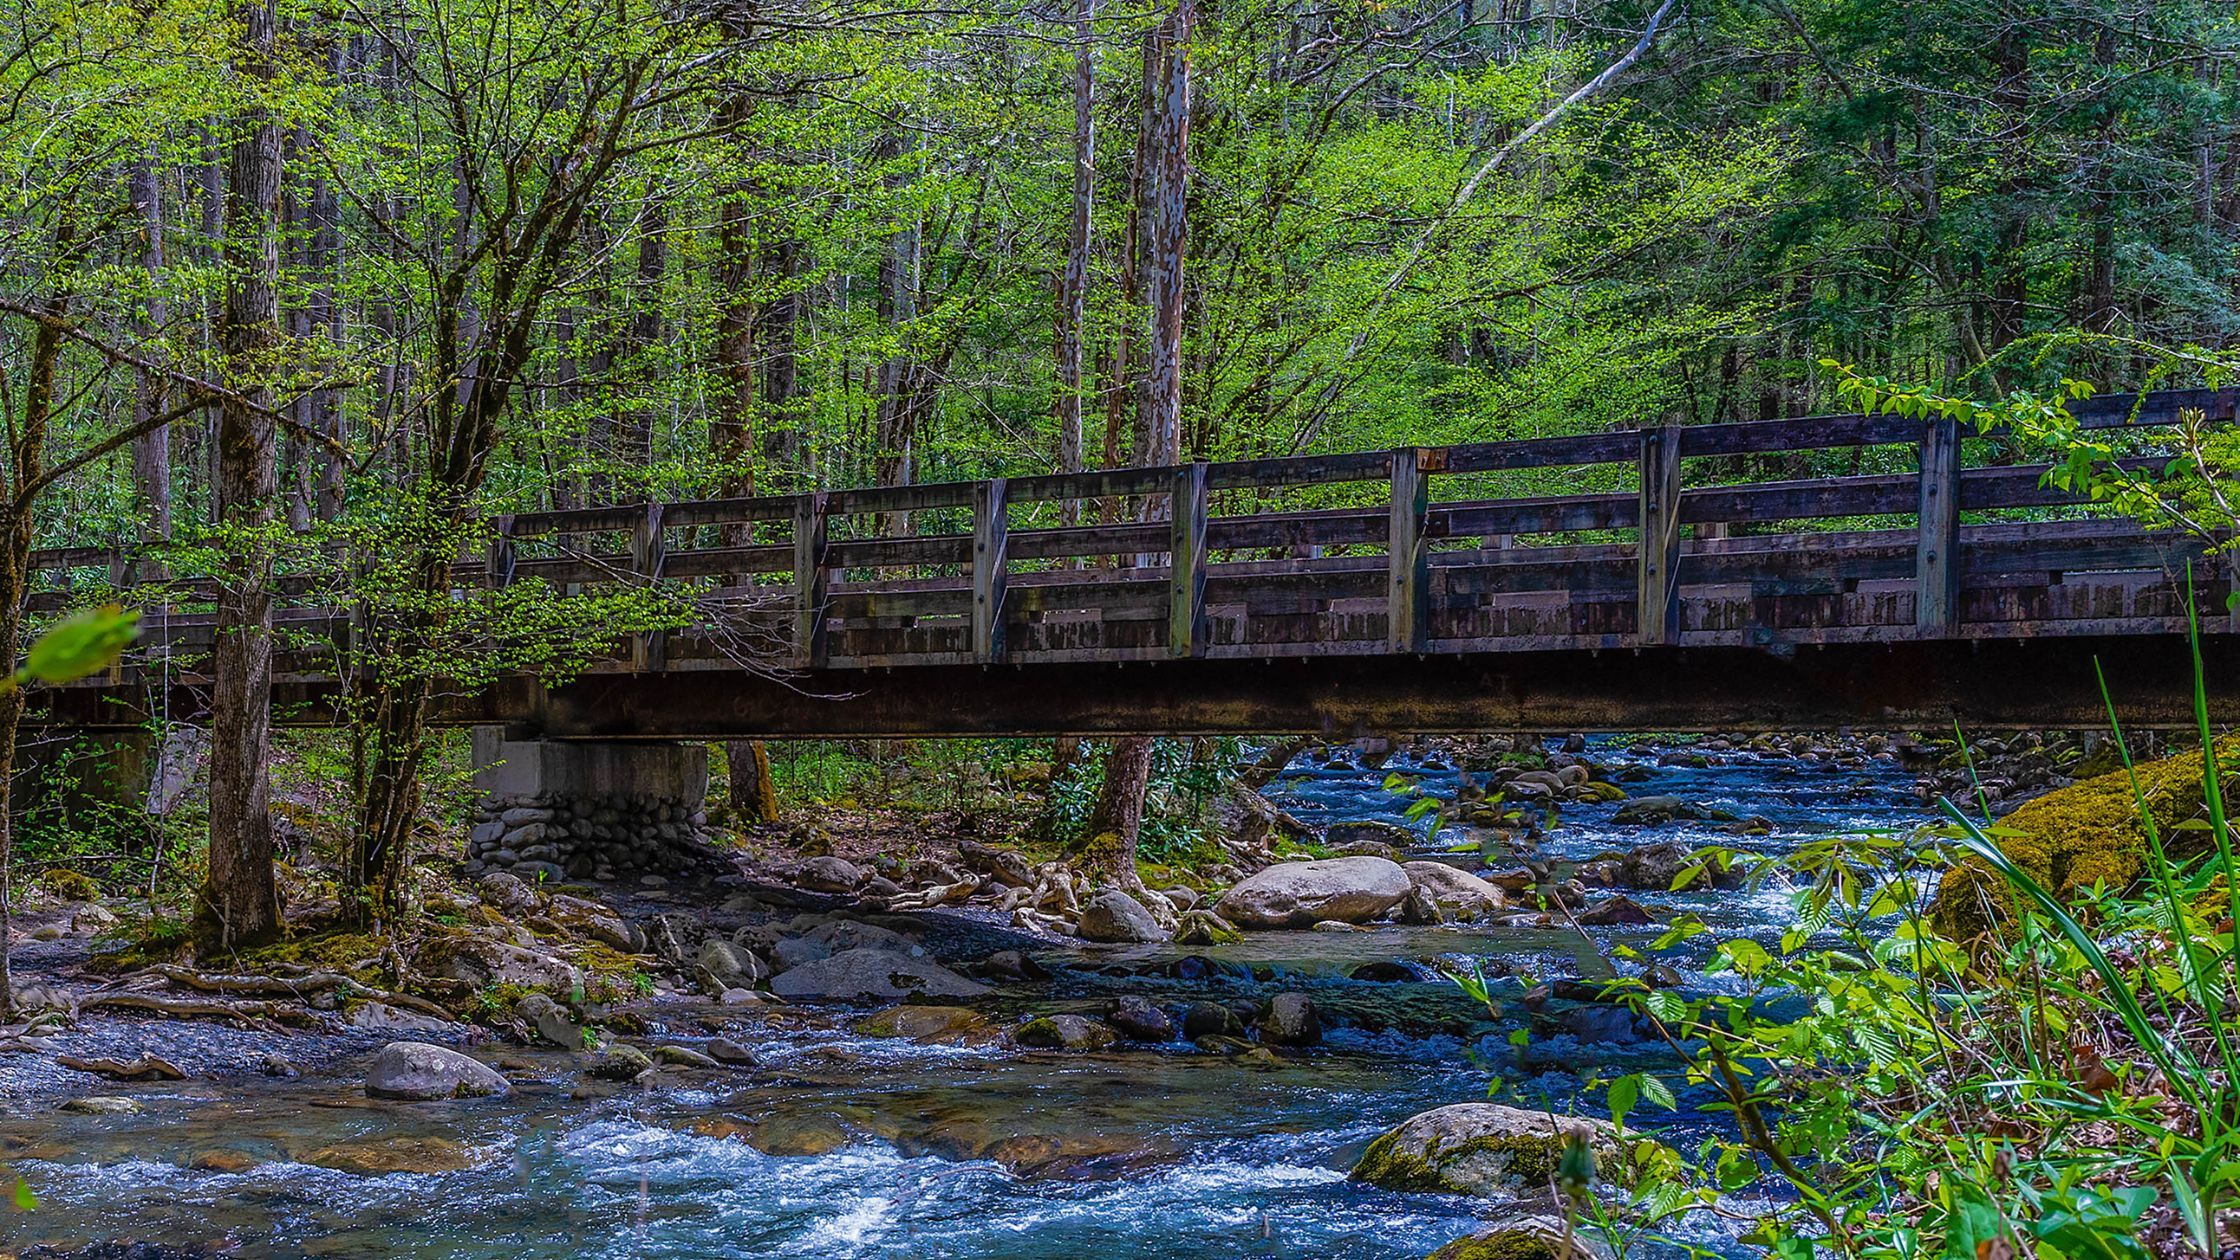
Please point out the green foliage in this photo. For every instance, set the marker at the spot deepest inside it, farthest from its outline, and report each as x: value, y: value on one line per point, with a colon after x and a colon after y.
x: 2181, y: 478
x: 2061, y: 1090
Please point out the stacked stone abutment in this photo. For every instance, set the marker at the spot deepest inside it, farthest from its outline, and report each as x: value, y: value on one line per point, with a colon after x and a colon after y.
x: 556, y: 810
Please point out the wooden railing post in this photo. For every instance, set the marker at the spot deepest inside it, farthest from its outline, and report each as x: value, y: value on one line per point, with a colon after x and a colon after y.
x: 1936, y: 559
x: 1187, y: 630
x: 811, y: 583
x: 1658, y: 615
x: 1408, y: 561
x: 649, y: 551
x: 991, y: 535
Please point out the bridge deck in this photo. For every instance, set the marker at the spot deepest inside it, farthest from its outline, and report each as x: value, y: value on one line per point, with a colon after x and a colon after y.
x: 1405, y: 556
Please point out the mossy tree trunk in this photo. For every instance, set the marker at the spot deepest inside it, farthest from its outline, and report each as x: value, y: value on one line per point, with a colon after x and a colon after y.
x: 754, y: 799
x: 240, y: 904
x: 1107, y: 850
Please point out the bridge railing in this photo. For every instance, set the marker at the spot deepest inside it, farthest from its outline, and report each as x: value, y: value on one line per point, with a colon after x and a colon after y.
x: 972, y: 572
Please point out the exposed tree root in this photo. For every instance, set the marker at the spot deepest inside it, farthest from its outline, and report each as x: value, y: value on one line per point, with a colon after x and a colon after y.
x: 301, y: 987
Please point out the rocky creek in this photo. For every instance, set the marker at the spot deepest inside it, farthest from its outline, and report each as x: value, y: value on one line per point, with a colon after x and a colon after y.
x: 832, y: 1137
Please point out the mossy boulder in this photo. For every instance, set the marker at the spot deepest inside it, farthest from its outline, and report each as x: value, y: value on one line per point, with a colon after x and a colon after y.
x: 1487, y: 1150
x: 1064, y: 1032
x: 2085, y: 835
x: 1526, y: 1238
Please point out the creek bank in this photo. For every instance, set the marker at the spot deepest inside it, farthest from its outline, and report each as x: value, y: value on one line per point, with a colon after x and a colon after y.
x: 848, y: 1094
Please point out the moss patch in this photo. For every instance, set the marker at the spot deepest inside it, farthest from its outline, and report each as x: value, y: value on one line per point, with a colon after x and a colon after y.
x: 68, y: 885
x: 354, y: 954
x: 609, y: 975
x: 2084, y: 835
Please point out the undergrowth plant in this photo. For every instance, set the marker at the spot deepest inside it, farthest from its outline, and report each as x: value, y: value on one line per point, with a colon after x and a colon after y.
x: 2067, y: 1086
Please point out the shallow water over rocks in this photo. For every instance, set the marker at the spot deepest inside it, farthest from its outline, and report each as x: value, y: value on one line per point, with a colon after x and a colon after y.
x: 839, y: 1144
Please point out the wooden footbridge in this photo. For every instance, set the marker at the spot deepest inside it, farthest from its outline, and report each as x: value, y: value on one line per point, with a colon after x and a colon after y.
x: 1646, y: 579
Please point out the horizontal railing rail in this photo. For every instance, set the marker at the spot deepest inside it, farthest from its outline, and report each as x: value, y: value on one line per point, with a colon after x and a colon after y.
x: 1222, y: 558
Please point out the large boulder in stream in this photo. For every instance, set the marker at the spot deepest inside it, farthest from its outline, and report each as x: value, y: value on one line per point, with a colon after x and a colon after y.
x: 1458, y: 894
x: 414, y: 1071
x: 1300, y: 894
x: 1119, y: 919
x: 1484, y: 1149
x: 882, y: 974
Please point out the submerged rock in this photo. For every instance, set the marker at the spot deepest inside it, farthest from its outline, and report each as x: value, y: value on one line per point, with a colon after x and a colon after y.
x: 378, y: 1157
x: 414, y: 1071
x: 1340, y: 835
x: 928, y: 1025
x: 1297, y: 894
x: 1011, y: 964
x: 102, y: 1105
x: 1483, y: 1149
x: 1291, y: 1021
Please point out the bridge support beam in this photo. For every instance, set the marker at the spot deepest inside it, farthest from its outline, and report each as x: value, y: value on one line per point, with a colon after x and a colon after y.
x: 585, y: 810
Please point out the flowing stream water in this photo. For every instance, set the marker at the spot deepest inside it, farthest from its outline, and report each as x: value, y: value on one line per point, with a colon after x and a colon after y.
x: 842, y: 1145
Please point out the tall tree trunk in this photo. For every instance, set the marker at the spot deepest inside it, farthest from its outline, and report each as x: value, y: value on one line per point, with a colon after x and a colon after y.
x: 1116, y: 825
x: 741, y: 411
x: 777, y: 341
x: 754, y: 798
x: 1073, y: 285
x: 1106, y: 851
x: 598, y: 360
x: 151, y: 452
x: 731, y: 427
x: 1169, y: 219
x: 894, y: 425
x: 240, y: 905
x: 646, y: 325
x: 25, y: 458
x: 323, y: 268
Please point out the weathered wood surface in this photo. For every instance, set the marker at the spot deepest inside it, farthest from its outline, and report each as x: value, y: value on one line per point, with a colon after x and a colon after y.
x: 1456, y: 551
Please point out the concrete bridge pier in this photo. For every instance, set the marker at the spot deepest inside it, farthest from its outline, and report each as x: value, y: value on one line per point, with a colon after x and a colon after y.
x: 554, y: 809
